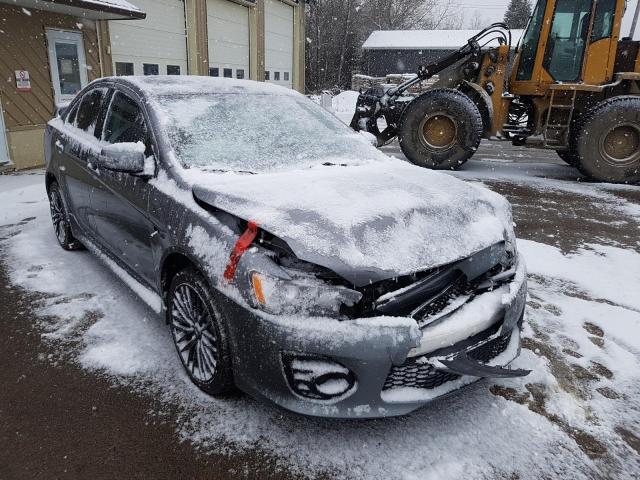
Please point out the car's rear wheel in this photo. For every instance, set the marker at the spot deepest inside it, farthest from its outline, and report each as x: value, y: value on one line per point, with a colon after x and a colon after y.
x: 199, y: 333
x: 60, y: 220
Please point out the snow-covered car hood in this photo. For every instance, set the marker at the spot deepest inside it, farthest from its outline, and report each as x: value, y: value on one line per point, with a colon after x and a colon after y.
x: 366, y: 222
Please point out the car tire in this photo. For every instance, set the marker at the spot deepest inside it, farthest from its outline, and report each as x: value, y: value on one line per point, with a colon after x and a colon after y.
x: 607, y: 141
x: 441, y: 129
x: 199, y: 333
x: 60, y: 220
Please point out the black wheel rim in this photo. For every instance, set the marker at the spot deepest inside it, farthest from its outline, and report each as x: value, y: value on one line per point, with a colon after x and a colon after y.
x: 620, y: 146
x: 58, y: 216
x: 194, y: 334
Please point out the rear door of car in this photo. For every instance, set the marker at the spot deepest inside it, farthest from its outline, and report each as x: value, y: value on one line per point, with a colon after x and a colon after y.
x: 74, y: 146
x: 121, y: 202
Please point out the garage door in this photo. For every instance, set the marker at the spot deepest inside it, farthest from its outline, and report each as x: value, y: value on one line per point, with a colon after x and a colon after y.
x: 279, y: 43
x: 228, y: 30
x: 156, y: 45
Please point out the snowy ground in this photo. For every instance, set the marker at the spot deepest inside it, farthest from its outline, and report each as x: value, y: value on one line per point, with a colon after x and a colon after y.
x: 576, y: 416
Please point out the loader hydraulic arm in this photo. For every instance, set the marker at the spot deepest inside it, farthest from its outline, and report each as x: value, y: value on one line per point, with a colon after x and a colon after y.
x: 387, y: 103
x: 473, y: 47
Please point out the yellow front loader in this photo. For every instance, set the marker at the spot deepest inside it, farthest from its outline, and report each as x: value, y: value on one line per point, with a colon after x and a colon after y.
x: 573, y: 86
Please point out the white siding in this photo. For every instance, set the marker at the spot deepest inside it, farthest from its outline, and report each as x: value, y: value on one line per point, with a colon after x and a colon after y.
x: 279, y: 42
x: 159, y: 39
x: 228, y: 31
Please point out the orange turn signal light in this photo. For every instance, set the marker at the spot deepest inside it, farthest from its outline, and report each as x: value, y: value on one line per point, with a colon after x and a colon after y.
x: 257, y: 288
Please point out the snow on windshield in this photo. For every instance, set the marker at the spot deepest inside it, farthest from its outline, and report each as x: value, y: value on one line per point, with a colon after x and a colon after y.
x: 257, y: 132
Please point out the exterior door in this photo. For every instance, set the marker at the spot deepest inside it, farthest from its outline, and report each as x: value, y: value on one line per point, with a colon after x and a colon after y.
x: 121, y: 201
x: 568, y: 40
x: 75, y: 151
x: 68, y: 64
x: 4, y: 149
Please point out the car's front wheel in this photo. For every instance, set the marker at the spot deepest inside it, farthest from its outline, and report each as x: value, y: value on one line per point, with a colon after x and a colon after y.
x: 199, y: 333
x: 60, y: 220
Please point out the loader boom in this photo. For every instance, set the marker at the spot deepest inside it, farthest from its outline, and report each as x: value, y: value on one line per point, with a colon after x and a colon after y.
x: 373, y: 104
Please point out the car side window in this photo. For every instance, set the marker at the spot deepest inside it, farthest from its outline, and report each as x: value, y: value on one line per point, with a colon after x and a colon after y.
x: 71, y: 116
x: 87, y: 114
x: 125, y: 122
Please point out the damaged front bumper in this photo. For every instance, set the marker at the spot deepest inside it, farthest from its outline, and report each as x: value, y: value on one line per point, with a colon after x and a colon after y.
x: 376, y: 367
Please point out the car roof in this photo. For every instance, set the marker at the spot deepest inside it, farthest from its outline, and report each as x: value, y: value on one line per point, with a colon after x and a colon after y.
x: 172, y: 85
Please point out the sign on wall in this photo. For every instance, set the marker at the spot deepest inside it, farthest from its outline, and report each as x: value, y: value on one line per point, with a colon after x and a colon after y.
x: 23, y: 82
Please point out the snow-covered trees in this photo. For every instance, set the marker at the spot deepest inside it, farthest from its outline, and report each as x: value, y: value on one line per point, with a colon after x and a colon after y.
x: 336, y: 30
x: 518, y: 13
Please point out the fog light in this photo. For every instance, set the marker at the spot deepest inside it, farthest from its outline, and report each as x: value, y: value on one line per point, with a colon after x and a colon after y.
x: 318, y: 378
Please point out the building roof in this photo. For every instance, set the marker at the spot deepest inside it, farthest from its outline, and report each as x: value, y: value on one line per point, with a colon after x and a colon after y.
x: 92, y: 9
x: 425, y: 39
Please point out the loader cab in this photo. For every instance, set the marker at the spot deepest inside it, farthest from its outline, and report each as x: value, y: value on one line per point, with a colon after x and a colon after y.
x: 568, y: 41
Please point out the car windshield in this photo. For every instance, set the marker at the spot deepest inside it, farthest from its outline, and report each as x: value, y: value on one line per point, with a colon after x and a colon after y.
x: 257, y: 133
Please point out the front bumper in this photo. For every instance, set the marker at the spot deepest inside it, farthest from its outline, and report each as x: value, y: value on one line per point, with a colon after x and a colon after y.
x: 397, y: 366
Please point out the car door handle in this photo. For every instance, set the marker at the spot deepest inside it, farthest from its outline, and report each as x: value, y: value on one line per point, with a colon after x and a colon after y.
x: 60, y: 146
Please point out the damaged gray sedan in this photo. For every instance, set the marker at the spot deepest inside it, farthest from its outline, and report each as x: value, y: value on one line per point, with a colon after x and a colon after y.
x: 291, y: 258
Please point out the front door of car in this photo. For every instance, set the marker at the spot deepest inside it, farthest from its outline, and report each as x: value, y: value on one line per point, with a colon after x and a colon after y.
x: 121, y: 202
x: 74, y: 145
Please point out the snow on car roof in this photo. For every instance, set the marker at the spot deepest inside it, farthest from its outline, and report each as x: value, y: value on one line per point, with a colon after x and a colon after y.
x: 158, y: 86
x: 426, y: 39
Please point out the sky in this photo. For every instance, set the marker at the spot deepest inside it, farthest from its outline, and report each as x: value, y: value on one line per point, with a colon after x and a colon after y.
x: 489, y: 11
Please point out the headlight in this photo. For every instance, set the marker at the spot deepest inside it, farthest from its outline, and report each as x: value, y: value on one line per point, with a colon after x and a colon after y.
x: 305, y: 295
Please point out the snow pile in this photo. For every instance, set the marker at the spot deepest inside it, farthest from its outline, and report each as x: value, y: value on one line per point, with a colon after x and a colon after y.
x: 345, y: 102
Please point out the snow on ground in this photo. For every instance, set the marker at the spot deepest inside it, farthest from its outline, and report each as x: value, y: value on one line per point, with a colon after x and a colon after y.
x: 577, y: 416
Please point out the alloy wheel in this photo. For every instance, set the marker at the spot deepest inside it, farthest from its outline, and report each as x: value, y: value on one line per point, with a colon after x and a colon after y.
x: 58, y: 216
x: 194, y: 334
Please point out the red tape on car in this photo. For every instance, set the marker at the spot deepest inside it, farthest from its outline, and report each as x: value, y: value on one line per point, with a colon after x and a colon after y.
x: 242, y: 245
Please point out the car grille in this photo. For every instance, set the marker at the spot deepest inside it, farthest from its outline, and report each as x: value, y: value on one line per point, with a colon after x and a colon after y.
x: 416, y: 374
x: 460, y: 288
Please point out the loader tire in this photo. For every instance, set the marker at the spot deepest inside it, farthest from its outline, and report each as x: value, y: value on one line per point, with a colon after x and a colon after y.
x: 441, y: 129
x: 568, y: 156
x: 607, y: 141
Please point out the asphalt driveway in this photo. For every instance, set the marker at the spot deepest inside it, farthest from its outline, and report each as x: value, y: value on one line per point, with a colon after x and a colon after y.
x: 91, y: 388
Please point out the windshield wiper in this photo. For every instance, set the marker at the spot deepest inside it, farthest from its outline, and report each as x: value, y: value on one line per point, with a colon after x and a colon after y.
x: 222, y: 170
x: 329, y: 164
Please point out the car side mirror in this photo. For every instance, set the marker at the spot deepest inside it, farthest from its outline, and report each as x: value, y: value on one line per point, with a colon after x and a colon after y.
x: 123, y: 157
